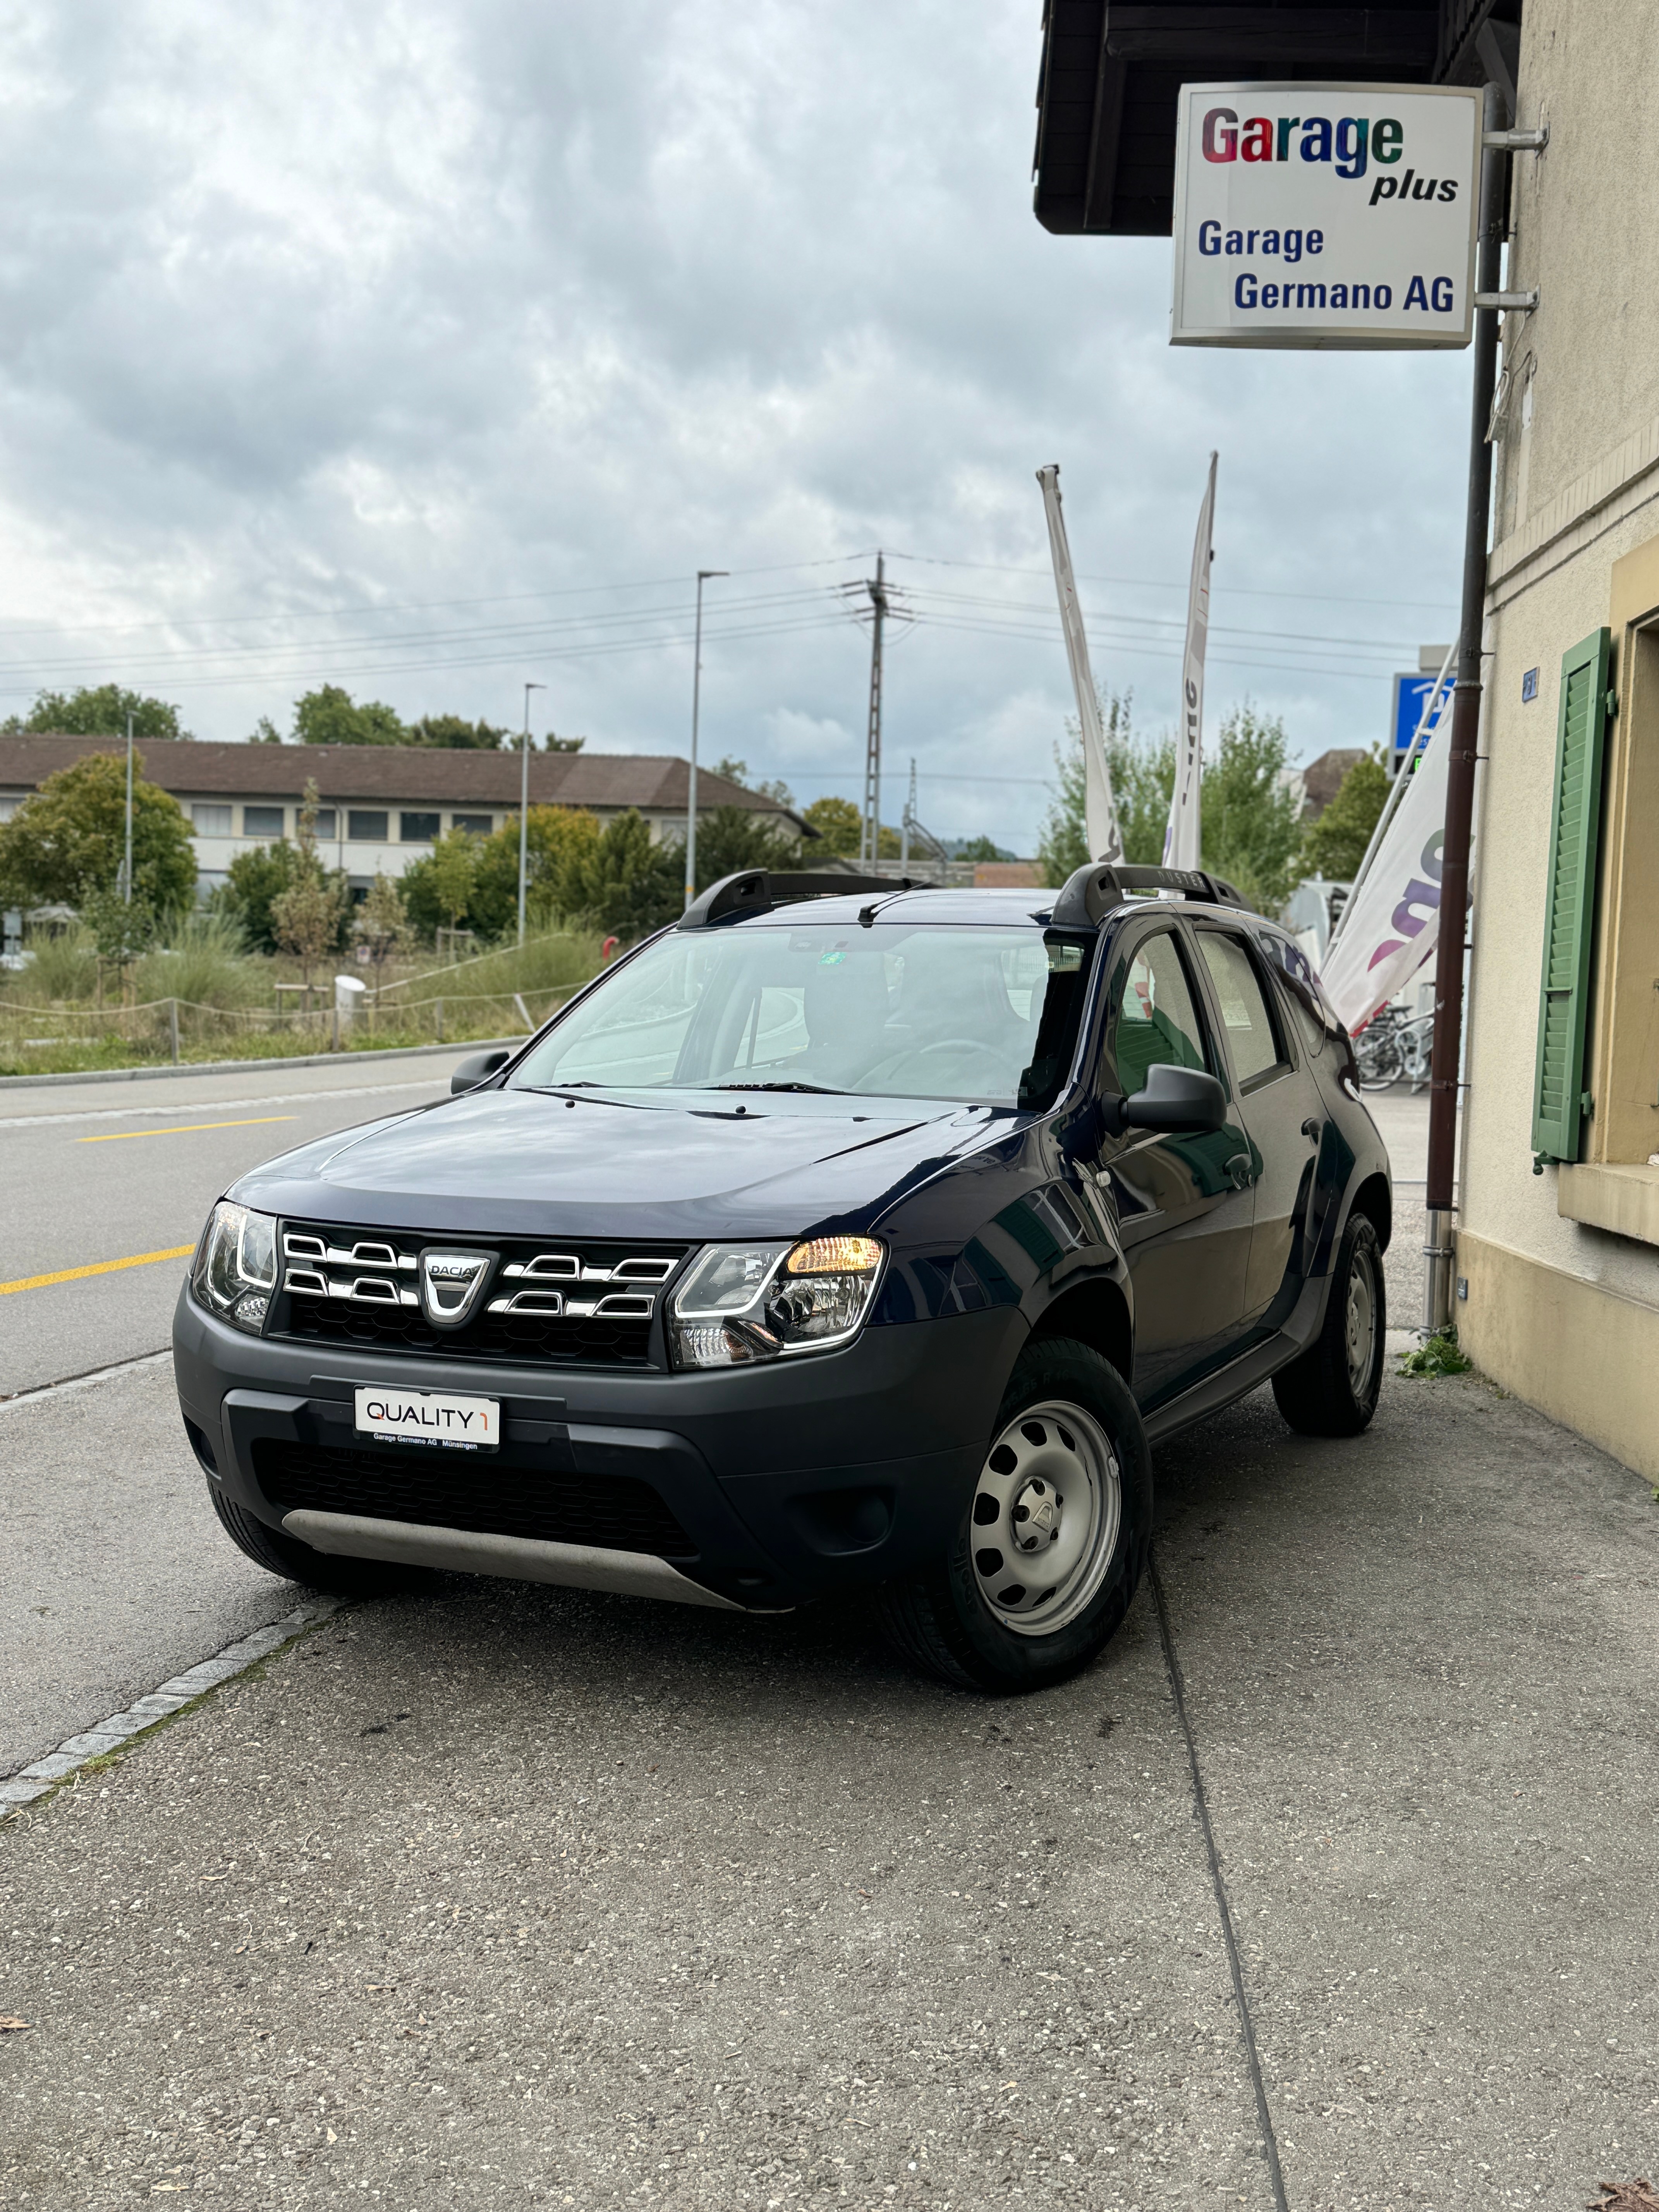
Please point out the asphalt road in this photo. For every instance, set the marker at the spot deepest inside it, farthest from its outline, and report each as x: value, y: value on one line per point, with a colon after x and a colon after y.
x: 100, y: 1172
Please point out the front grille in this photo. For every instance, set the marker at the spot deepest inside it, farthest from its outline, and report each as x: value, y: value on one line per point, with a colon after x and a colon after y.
x: 451, y: 1489
x: 550, y: 1303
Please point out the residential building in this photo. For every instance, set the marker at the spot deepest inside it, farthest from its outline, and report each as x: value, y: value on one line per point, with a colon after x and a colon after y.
x: 380, y: 806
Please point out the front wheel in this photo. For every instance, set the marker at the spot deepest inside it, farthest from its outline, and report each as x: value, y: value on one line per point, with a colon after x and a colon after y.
x: 1332, y: 1389
x: 279, y: 1553
x: 1053, y: 1541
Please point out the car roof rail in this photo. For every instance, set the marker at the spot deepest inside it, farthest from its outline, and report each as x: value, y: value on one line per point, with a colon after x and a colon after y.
x: 757, y: 890
x: 1090, y: 894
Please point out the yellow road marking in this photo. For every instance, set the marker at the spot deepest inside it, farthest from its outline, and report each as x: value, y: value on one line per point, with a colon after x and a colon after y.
x: 98, y: 1267
x: 186, y: 1129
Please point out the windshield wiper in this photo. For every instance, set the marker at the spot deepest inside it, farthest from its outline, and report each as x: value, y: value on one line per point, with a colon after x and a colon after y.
x: 824, y: 1089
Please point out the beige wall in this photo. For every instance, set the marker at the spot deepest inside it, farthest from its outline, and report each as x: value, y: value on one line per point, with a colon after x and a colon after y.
x: 1565, y: 1313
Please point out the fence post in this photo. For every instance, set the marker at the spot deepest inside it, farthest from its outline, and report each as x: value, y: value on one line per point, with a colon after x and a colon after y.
x: 439, y: 1005
x: 172, y: 1014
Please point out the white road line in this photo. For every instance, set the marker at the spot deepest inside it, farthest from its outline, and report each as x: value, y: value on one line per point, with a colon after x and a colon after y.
x: 213, y: 1105
x: 43, y: 1775
x: 84, y: 1382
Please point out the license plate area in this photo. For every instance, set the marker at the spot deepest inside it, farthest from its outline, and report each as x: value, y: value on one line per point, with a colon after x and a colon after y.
x: 432, y: 1420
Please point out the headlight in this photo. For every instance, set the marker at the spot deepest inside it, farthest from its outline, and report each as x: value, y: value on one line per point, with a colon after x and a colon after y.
x: 235, y: 1270
x: 746, y: 1302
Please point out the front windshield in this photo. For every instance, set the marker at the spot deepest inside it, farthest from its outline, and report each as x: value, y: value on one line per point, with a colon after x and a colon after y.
x: 982, y: 1015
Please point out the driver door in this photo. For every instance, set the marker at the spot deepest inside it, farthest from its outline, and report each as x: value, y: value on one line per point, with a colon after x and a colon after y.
x: 1184, y: 1204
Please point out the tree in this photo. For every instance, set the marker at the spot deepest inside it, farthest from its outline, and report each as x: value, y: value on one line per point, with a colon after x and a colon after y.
x: 458, y: 734
x: 306, y: 918
x: 1143, y: 777
x: 628, y: 886
x: 733, y: 837
x: 839, y: 824
x: 981, y: 848
x: 265, y: 732
x: 330, y: 716
x: 559, y: 841
x: 439, y: 887
x: 379, y: 924
x: 1252, y: 832
x: 1334, y: 845
x: 67, y: 841
x: 99, y: 711
x: 737, y: 771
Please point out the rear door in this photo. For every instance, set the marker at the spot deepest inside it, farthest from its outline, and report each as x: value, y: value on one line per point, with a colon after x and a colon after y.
x: 1184, y: 1204
x: 1282, y: 1112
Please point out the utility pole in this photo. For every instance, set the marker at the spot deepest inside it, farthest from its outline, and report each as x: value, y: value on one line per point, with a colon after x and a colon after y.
x: 524, y: 807
x: 703, y: 576
x: 126, y: 865
x: 870, y: 830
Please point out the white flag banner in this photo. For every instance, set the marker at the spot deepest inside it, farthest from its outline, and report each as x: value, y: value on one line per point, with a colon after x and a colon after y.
x: 1182, y: 840
x: 1391, y: 926
x: 1105, y: 840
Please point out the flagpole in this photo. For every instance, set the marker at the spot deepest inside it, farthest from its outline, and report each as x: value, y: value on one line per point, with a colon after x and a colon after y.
x: 1183, y: 838
x: 1101, y: 834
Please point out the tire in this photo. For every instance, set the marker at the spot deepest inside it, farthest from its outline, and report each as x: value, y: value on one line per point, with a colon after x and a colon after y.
x: 1332, y: 1389
x: 285, y: 1555
x: 1066, y: 1426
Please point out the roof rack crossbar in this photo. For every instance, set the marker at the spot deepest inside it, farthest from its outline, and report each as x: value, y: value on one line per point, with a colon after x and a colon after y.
x: 1090, y: 894
x: 757, y: 890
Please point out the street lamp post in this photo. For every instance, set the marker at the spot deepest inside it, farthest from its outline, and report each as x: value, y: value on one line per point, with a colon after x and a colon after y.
x: 703, y: 576
x: 524, y: 806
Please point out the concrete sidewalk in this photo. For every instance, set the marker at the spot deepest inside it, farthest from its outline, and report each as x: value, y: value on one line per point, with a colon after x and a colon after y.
x: 521, y: 1895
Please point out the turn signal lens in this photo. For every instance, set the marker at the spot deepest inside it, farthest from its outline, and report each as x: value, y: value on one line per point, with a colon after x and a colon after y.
x: 834, y: 1255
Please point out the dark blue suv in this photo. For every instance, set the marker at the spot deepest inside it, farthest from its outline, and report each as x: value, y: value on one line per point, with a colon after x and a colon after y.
x: 845, y: 1233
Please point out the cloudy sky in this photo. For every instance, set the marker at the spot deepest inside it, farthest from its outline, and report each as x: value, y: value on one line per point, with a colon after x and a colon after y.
x: 430, y: 348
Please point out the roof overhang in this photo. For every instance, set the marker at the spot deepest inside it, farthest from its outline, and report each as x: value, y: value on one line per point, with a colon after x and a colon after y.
x: 1111, y: 71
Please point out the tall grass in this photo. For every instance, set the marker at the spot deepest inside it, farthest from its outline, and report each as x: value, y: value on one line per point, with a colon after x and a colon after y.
x: 204, y: 960
x: 556, y: 962
x: 65, y: 966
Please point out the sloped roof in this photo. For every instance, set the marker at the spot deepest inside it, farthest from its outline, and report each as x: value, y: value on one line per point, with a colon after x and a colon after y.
x: 392, y: 775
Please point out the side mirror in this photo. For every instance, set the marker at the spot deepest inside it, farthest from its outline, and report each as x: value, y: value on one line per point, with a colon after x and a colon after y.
x: 1182, y: 1101
x: 477, y: 1070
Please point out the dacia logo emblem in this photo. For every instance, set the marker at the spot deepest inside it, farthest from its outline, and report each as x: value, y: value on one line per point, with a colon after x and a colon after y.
x: 452, y: 1284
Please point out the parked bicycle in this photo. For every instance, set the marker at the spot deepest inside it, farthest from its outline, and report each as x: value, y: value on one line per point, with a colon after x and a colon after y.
x: 1393, y: 1047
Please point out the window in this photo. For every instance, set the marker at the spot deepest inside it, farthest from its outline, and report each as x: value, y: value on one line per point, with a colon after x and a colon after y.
x: 210, y: 821
x: 934, y: 1013
x: 264, y: 821
x: 1157, y: 1024
x: 326, y: 822
x: 475, y: 825
x: 1251, y: 1038
x: 371, y: 828
x: 418, y: 828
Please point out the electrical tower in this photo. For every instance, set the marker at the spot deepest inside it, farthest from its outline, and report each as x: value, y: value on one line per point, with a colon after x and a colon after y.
x: 870, y: 829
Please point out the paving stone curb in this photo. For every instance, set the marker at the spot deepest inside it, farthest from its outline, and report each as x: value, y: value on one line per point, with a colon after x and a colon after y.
x: 42, y: 1776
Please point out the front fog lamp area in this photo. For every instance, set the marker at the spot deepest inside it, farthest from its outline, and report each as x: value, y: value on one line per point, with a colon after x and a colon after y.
x: 235, y: 1270
x: 743, y: 1303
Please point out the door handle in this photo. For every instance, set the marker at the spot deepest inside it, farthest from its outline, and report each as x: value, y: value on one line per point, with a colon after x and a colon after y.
x: 1311, y: 1127
x: 1239, y: 1169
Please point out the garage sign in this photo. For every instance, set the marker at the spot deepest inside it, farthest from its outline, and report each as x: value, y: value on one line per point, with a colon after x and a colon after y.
x: 1325, y: 215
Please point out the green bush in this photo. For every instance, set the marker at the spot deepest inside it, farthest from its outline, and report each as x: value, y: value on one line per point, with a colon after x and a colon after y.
x: 258, y: 879
x: 204, y: 961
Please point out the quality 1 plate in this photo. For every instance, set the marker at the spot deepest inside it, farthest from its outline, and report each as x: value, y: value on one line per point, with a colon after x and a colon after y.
x: 440, y: 1420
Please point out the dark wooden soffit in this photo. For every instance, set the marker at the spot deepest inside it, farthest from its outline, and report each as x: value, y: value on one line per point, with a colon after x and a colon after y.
x: 1111, y: 71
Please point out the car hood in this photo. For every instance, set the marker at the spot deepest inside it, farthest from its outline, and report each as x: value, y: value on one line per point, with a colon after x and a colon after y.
x: 505, y: 1163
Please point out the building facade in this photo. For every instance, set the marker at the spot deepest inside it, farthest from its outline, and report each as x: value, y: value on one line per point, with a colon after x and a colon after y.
x: 381, y: 806
x: 1557, y: 1241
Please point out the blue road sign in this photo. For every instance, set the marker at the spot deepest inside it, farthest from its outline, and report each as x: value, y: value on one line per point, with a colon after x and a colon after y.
x: 1411, y: 695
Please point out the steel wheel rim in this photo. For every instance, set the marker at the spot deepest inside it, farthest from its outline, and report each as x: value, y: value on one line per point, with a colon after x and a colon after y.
x: 1044, y: 1524
x: 1361, y: 1322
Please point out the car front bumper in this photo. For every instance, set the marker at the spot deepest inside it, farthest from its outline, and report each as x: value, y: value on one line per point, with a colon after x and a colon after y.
x: 788, y: 1480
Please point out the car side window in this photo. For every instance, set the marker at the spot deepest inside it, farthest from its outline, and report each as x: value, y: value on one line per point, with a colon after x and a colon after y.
x: 1252, y: 1037
x: 1155, y: 1022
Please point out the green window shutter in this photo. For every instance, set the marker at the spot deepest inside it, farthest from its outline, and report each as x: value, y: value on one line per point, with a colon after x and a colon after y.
x: 1575, y: 835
